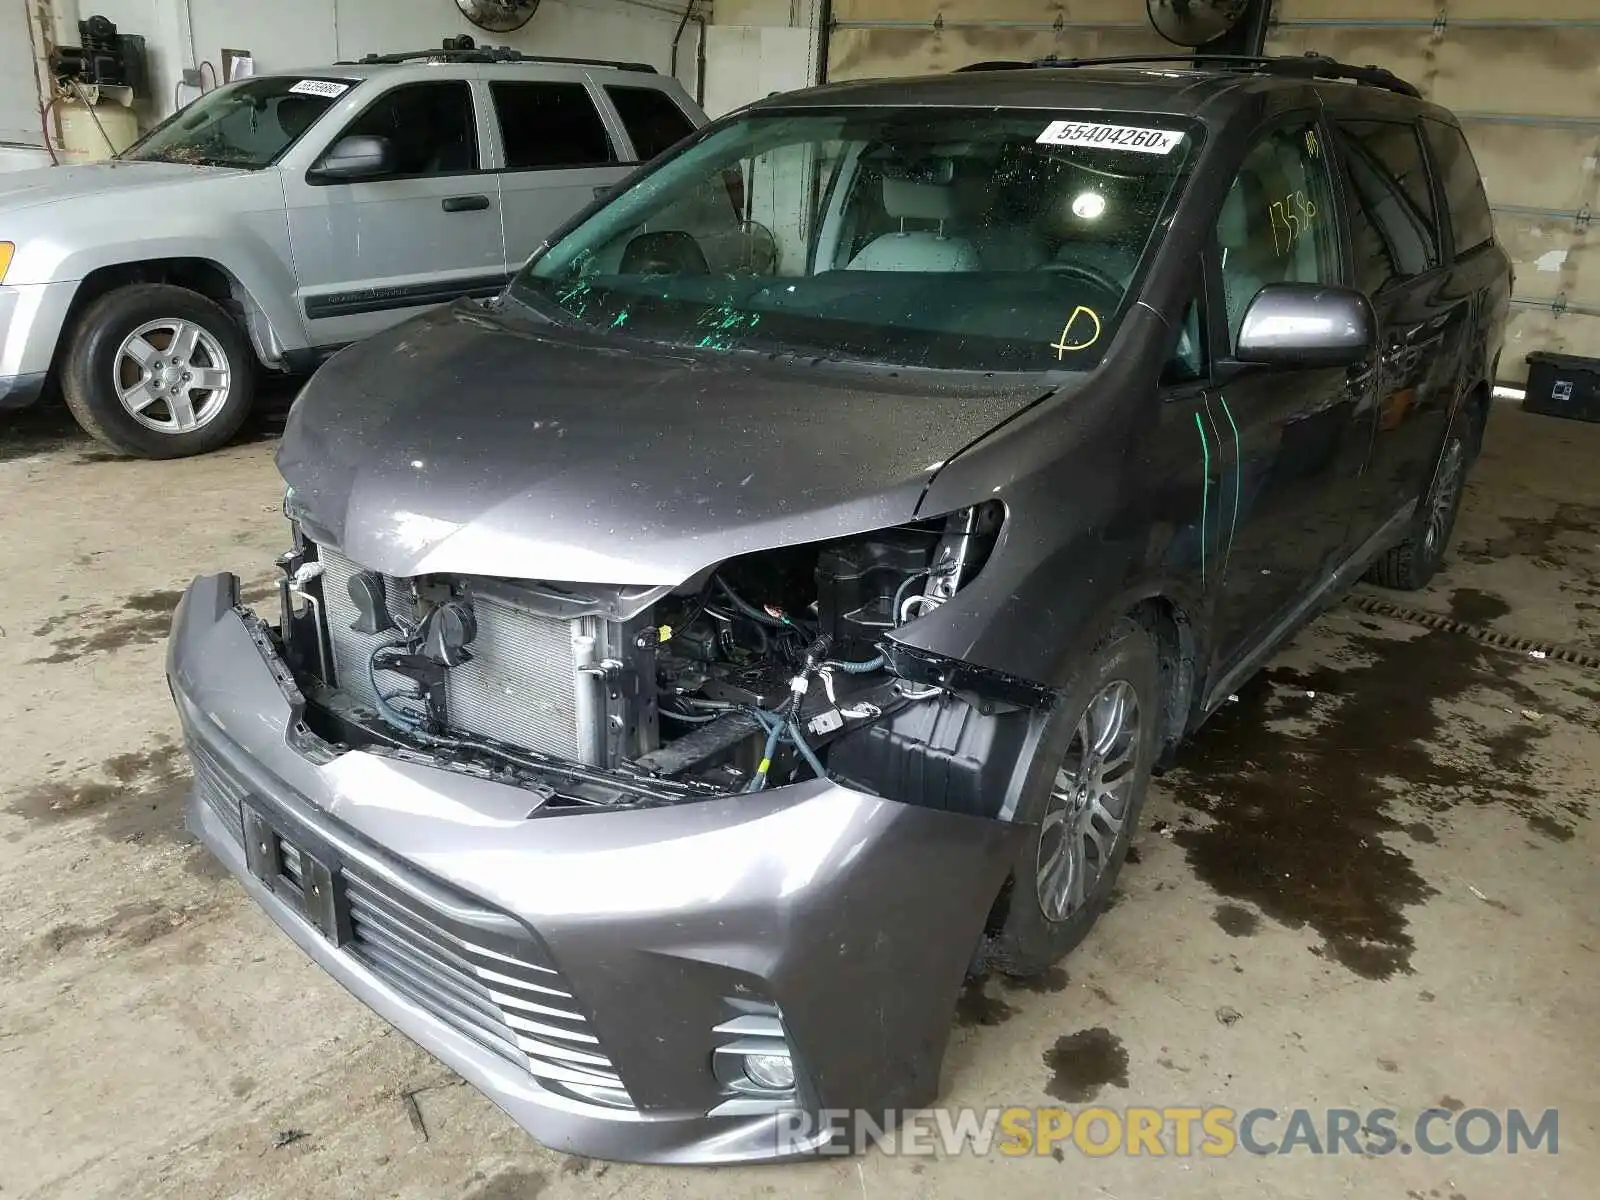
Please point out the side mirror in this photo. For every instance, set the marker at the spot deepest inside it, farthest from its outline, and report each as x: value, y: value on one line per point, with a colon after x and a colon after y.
x: 356, y: 157
x: 1307, y: 325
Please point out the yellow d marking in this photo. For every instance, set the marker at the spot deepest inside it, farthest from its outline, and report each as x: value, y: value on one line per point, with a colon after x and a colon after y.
x: 1066, y: 345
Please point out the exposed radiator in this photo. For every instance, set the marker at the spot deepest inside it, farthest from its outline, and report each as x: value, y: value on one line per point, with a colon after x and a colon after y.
x: 522, y: 686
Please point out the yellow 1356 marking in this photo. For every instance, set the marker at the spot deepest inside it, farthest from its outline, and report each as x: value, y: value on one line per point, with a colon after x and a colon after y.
x: 1066, y: 345
x: 1293, y: 215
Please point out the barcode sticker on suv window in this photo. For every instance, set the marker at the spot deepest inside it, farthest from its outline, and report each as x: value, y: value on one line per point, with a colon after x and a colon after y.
x: 321, y: 87
x: 1111, y: 137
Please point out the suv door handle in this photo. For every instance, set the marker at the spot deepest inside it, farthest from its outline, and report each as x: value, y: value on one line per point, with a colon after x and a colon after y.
x: 455, y: 204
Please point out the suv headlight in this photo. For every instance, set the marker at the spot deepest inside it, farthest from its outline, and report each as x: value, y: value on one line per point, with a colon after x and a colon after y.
x: 7, y: 251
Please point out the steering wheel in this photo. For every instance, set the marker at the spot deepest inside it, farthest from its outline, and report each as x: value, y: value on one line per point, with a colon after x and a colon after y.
x: 1090, y: 275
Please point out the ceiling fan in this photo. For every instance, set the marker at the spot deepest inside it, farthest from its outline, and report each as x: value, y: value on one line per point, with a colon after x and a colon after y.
x: 498, y: 16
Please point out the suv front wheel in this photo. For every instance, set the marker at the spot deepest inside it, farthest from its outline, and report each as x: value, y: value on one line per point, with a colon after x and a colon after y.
x: 157, y: 371
x: 1085, y: 790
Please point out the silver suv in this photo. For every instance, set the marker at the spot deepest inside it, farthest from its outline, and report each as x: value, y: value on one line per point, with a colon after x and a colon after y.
x: 284, y: 216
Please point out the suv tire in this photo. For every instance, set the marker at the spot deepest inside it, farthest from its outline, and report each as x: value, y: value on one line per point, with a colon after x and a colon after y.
x: 130, y: 357
x: 1410, y: 565
x: 1084, y: 793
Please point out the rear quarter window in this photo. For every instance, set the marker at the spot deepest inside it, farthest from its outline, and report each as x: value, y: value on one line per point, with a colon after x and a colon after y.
x: 654, y: 123
x: 1470, y: 217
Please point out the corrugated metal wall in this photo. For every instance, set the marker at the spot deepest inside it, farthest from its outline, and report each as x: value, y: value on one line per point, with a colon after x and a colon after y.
x: 1524, y: 75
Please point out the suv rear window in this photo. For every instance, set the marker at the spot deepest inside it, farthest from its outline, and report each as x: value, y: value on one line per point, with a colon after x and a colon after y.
x: 1463, y: 186
x: 550, y: 125
x: 652, y: 120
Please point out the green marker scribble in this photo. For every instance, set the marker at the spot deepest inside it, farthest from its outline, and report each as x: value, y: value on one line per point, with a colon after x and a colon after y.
x: 622, y: 319
x: 1205, y: 498
x: 1238, y: 470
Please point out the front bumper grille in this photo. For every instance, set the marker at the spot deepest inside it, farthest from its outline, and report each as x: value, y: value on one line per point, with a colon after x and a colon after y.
x: 521, y: 686
x: 471, y: 967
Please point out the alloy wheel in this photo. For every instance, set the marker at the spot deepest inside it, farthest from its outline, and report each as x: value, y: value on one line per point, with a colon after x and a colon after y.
x: 1090, y: 802
x: 172, y: 375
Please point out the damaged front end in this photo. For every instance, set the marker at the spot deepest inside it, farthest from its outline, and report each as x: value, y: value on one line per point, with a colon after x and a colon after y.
x: 663, y: 871
x: 762, y: 671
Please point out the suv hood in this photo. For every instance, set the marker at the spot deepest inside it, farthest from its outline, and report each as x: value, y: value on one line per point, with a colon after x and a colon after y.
x: 50, y: 185
x: 478, y: 442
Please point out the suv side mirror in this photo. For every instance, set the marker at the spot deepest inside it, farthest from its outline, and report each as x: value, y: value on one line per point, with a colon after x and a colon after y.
x: 1307, y: 325
x: 356, y: 157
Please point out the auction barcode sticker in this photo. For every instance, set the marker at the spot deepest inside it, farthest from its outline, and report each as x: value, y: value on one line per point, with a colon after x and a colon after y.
x: 320, y: 87
x: 1111, y: 137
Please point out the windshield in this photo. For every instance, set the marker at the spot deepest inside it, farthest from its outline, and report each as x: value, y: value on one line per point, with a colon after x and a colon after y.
x: 249, y: 124
x: 969, y: 239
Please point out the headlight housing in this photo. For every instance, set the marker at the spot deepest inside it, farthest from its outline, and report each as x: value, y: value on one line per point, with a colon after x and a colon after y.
x: 8, y: 250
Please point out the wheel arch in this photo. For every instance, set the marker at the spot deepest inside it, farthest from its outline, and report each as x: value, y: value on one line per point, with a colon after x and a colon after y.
x: 206, y: 276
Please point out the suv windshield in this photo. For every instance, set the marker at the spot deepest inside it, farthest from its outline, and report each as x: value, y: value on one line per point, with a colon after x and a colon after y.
x: 951, y: 238
x: 249, y: 124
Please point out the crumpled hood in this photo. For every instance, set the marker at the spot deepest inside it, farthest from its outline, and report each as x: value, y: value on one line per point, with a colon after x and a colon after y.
x: 51, y: 185
x: 472, y: 442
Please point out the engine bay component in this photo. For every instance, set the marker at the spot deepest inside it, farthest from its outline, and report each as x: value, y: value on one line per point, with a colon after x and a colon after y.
x: 751, y: 676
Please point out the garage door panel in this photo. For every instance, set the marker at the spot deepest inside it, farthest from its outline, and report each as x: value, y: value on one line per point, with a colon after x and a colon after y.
x: 1518, y: 71
x: 1034, y: 11
x: 1357, y: 10
x: 1540, y: 166
x: 870, y: 53
x: 1405, y: 51
x: 1483, y: 10
x: 1533, y: 329
x: 1553, y: 258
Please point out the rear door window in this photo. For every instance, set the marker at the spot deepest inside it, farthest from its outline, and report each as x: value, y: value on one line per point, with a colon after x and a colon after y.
x: 548, y: 126
x: 1463, y: 186
x: 1394, y: 150
x: 1393, y: 240
x: 654, y: 123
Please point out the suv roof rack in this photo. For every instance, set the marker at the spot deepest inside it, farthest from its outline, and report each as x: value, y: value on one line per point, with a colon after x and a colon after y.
x: 1305, y: 66
x: 464, y: 50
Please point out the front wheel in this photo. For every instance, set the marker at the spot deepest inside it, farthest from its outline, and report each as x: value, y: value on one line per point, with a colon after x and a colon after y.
x: 1085, y: 791
x: 1410, y: 565
x: 157, y: 371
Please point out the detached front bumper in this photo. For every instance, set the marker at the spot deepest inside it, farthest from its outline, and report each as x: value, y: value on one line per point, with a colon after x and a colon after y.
x: 584, y: 969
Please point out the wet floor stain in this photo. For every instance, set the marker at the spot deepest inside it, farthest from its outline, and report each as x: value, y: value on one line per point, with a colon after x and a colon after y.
x: 141, y: 619
x: 1051, y: 981
x: 1421, y: 831
x: 1236, y: 921
x: 128, y: 927
x: 975, y: 1006
x: 508, y: 1185
x: 1299, y: 777
x: 139, y: 797
x: 1473, y: 607
x: 1083, y: 1063
x: 1551, y: 539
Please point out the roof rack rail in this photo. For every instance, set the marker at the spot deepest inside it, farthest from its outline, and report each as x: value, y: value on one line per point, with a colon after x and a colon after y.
x: 1306, y: 66
x: 464, y: 50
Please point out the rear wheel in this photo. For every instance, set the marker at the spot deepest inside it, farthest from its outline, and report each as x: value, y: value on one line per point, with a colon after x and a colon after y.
x: 158, y: 371
x: 1084, y: 795
x: 1410, y: 565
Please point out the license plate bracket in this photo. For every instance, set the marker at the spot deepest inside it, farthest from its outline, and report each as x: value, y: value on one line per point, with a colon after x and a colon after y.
x: 311, y: 889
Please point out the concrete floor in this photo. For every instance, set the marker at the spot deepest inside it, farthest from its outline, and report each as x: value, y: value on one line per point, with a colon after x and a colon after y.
x: 1372, y: 883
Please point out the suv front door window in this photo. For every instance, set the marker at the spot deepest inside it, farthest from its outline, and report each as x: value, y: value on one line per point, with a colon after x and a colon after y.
x: 1287, y: 444
x: 424, y: 232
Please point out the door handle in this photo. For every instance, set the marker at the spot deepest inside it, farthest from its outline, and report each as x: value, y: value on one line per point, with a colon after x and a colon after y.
x: 455, y: 204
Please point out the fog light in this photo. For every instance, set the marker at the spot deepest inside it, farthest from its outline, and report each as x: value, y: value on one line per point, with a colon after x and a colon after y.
x: 775, y: 1072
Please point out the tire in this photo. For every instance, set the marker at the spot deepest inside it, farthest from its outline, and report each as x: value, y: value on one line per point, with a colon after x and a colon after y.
x: 1041, y: 915
x: 121, y: 347
x: 1409, y: 566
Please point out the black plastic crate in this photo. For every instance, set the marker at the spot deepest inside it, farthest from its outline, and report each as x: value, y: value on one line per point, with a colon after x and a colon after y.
x: 1563, y: 385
